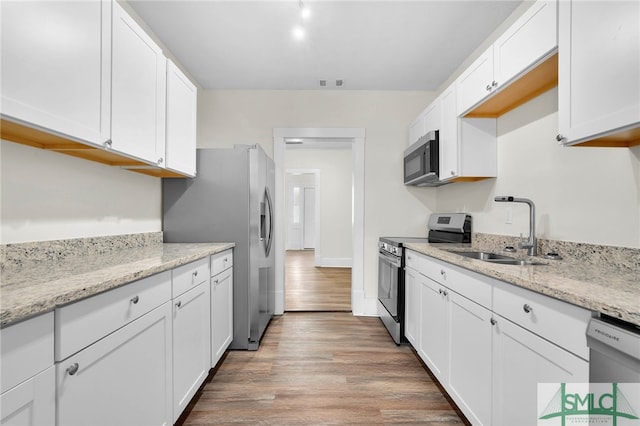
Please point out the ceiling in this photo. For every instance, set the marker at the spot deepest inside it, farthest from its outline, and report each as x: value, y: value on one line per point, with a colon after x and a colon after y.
x: 369, y: 45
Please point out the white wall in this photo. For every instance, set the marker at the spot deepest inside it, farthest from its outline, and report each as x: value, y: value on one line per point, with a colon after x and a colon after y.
x: 335, y: 197
x: 234, y: 116
x: 49, y: 196
x: 589, y: 195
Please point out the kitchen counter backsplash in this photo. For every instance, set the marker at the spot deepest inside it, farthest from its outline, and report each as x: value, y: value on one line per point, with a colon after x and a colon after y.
x: 624, y: 258
x: 20, y: 255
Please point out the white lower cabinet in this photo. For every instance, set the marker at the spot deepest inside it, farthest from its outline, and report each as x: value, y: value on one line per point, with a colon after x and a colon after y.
x: 521, y: 360
x: 434, y: 332
x: 32, y: 402
x: 27, y: 379
x: 470, y: 379
x: 490, y: 343
x: 122, y: 379
x: 191, y: 344
x: 221, y: 304
x: 412, y: 306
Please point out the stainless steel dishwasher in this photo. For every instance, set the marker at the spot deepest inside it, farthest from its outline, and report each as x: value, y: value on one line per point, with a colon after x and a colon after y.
x: 614, y: 351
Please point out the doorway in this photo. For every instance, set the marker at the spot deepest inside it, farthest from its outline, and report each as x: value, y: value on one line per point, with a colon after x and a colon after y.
x: 355, y: 137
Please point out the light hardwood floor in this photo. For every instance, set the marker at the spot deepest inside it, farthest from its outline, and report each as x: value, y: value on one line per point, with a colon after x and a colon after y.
x: 322, y: 368
x: 308, y: 288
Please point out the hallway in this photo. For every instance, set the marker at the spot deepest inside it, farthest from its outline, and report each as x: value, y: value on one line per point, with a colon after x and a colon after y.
x: 308, y: 288
x: 322, y: 368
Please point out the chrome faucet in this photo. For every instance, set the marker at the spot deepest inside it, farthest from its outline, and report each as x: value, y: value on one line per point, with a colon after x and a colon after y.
x: 532, y: 241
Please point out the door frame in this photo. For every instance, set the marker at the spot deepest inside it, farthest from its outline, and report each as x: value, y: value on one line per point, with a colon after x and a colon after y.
x: 357, y: 138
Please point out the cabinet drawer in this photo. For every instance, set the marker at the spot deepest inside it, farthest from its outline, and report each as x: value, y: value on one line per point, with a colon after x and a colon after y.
x: 189, y: 276
x: 471, y: 285
x: 221, y: 261
x: 411, y: 259
x: 27, y: 349
x: 84, y: 322
x: 559, y: 322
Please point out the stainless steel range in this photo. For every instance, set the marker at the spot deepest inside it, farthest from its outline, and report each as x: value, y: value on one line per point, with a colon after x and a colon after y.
x: 443, y: 228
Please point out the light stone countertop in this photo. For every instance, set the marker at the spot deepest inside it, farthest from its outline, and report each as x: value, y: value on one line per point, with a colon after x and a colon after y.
x: 614, y: 291
x: 39, y: 287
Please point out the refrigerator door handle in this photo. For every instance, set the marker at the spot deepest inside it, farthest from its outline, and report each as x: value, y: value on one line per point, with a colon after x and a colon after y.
x: 267, y: 196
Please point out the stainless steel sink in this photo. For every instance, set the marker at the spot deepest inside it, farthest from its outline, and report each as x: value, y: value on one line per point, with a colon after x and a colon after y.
x: 496, y: 258
x: 515, y: 262
x: 483, y: 255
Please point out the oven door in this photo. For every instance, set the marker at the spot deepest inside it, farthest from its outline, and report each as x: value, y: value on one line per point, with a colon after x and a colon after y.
x: 389, y: 270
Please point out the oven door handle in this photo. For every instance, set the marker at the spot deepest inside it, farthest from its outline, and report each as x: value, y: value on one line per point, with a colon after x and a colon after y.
x: 393, y: 260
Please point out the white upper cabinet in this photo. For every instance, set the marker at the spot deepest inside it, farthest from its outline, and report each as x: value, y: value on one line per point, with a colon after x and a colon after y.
x: 417, y: 129
x: 138, y: 91
x: 476, y: 82
x: 467, y: 145
x: 182, y: 98
x: 532, y: 38
x: 599, y: 72
x: 529, y: 39
x: 433, y: 116
x: 56, y: 67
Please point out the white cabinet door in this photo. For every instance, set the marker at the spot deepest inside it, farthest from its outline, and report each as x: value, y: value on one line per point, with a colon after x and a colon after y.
x: 434, y: 327
x: 599, y: 65
x: 221, y: 314
x: 122, y: 379
x: 412, y: 306
x: 521, y: 360
x: 191, y: 344
x: 32, y: 402
x: 56, y: 66
x: 532, y: 37
x: 416, y: 129
x: 476, y: 82
x: 181, y: 121
x: 433, y: 116
x: 138, y: 91
x: 470, y: 358
x: 449, y: 134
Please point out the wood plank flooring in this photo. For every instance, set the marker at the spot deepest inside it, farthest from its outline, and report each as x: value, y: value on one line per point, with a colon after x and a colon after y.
x: 308, y: 288
x: 322, y: 368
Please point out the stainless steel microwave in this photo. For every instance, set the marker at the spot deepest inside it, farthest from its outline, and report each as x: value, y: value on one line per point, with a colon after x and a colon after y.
x: 421, y: 162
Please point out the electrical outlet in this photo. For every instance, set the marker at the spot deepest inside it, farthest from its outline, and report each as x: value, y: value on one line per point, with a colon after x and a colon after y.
x: 509, y: 219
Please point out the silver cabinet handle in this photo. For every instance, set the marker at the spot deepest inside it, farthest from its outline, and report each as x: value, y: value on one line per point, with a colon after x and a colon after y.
x: 73, y: 369
x: 527, y: 308
x: 488, y: 87
x: 160, y: 160
x: 559, y: 138
x: 216, y: 281
x: 179, y: 304
x: 453, y: 173
x: 443, y: 273
x: 443, y: 292
x: 108, y: 143
x: 135, y: 299
x: 493, y: 321
x: 494, y: 83
x: 195, y: 273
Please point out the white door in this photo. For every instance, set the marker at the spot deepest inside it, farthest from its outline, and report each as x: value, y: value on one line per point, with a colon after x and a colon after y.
x: 294, y: 217
x: 309, y: 219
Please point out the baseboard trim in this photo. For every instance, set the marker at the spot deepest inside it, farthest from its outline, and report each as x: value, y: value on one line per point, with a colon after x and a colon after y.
x: 334, y: 262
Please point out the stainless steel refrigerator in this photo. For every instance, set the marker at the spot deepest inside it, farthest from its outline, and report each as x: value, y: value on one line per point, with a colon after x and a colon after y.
x: 230, y: 200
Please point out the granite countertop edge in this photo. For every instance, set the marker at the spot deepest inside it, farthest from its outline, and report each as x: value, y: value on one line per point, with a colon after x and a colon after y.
x: 21, y: 300
x: 551, y: 280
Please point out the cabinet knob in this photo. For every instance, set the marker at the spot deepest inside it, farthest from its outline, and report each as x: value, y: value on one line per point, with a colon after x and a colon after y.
x: 160, y: 160
x: 216, y: 281
x: 179, y: 304
x: 488, y: 87
x: 443, y: 273
x: 108, y: 143
x: 494, y: 83
x: 195, y: 273
x: 527, y: 308
x: 73, y: 369
x: 453, y: 173
x: 135, y: 299
x: 493, y: 321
